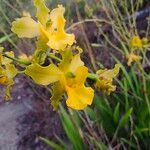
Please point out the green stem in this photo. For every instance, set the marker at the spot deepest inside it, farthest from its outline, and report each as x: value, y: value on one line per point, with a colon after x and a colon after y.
x: 50, y: 55
x: 17, y: 60
x: 92, y: 76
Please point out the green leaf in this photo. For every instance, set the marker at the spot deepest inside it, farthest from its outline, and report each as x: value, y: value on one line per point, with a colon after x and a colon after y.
x: 129, y: 143
x: 104, y: 115
x: 125, y: 118
x: 126, y: 74
x: 100, y: 145
x: 51, y: 144
x: 71, y: 130
x: 136, y: 81
x: 90, y: 112
x: 116, y: 113
x: 6, y: 37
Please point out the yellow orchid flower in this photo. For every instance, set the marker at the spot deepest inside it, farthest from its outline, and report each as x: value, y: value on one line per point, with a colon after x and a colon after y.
x: 59, y: 39
x: 7, y: 73
x: 133, y: 58
x: 29, y: 28
x: 106, y: 78
x: 136, y: 42
x: 49, y: 26
x: 68, y: 77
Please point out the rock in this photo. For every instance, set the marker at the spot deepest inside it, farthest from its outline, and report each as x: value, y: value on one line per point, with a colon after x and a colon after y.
x: 26, y: 117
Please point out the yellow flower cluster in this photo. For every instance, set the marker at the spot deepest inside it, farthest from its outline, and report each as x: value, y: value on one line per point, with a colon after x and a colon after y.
x: 68, y: 77
x: 7, y: 73
x: 105, y: 79
x: 49, y: 26
x: 136, y: 44
x: 133, y: 58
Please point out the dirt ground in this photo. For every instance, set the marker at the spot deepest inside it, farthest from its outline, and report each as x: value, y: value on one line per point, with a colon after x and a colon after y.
x: 25, y: 118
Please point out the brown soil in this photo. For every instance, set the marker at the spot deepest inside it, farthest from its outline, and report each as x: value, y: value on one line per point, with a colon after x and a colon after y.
x: 26, y: 117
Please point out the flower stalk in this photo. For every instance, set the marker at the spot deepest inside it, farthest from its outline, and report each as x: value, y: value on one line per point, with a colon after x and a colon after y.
x: 17, y: 60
